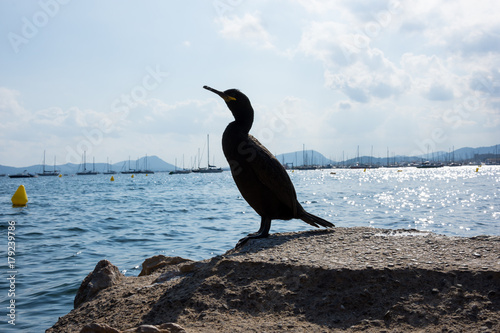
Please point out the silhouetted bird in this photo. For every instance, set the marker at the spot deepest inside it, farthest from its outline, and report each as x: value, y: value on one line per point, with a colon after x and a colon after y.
x: 260, y: 177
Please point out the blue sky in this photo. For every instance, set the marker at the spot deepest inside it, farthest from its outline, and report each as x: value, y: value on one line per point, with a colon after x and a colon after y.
x: 124, y: 78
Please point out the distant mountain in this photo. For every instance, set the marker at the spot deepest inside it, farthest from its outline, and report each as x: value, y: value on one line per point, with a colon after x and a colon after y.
x: 469, y: 153
x: 312, y: 157
x: 298, y: 158
x: 154, y: 163
x: 306, y: 157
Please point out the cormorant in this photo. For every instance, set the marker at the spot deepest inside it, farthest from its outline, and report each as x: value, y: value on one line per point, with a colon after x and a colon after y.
x: 260, y: 177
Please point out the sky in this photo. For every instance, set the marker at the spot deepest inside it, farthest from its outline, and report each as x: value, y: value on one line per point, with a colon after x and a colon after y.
x: 122, y: 79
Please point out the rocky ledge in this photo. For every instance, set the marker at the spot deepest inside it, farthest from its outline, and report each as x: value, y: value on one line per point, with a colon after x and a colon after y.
x: 344, y: 279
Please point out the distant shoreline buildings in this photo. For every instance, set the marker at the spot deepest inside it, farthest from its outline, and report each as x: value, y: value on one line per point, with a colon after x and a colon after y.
x: 299, y: 160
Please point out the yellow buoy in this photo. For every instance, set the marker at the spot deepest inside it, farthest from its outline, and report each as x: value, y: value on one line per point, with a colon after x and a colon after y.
x: 132, y: 176
x: 364, y: 170
x: 400, y: 170
x: 477, y: 169
x: 146, y: 175
x: 60, y: 175
x: 112, y: 179
x: 20, y: 198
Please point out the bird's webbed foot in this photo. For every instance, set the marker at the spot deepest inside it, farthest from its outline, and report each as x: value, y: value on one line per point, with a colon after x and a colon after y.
x: 263, y: 232
x: 242, y: 241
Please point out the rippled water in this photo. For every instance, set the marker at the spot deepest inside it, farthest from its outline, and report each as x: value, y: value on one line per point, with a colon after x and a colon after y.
x: 73, y: 222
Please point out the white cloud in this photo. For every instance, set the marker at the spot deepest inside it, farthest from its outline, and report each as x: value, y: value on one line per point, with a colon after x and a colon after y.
x: 11, y: 110
x: 431, y: 78
x: 370, y: 75
x: 381, y: 70
x: 246, y: 29
x: 328, y: 42
x: 318, y: 6
x: 182, y: 118
x: 53, y: 116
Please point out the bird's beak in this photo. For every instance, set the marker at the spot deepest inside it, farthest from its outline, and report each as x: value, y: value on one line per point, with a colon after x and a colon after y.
x: 221, y: 94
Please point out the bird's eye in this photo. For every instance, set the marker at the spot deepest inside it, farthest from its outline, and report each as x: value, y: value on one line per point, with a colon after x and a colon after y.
x: 229, y: 98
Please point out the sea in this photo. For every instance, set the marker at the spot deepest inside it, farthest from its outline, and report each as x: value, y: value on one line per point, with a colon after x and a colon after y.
x: 72, y: 222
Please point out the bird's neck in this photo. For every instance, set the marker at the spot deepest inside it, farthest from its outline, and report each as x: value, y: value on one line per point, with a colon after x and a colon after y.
x: 244, y: 121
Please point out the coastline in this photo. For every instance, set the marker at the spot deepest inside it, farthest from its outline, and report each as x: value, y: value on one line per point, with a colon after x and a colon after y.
x: 343, y: 279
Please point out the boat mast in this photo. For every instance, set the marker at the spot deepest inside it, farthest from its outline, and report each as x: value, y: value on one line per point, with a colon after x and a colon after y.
x: 43, y: 162
x: 303, y: 154
x: 371, y: 157
x: 84, y: 160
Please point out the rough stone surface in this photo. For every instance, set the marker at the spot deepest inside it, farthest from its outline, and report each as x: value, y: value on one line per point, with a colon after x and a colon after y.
x: 104, y: 276
x: 344, y: 279
x: 155, y: 263
x: 98, y: 328
x: 163, y: 328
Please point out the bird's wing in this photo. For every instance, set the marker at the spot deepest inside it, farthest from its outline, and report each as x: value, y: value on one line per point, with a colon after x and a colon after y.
x: 271, y: 173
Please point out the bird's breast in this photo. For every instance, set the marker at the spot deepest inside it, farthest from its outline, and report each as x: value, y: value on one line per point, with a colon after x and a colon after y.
x: 237, y: 147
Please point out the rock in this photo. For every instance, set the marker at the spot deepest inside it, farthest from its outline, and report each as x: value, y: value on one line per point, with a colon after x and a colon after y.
x: 98, y: 328
x: 104, y: 276
x: 188, y: 267
x: 323, y: 285
x: 163, y: 328
x: 154, y: 263
x: 178, y: 270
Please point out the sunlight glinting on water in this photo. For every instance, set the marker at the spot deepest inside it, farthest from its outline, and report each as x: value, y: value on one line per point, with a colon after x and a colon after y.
x: 72, y: 222
x: 455, y: 201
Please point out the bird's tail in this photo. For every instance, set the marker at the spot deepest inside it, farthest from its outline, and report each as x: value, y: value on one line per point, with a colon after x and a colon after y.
x: 315, y: 221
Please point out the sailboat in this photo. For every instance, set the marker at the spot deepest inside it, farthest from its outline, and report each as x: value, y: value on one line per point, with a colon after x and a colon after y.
x: 109, y: 171
x: 359, y: 165
x: 86, y: 172
x: 209, y: 168
x: 146, y: 167
x: 129, y: 171
x: 179, y: 171
x: 453, y: 163
x: 47, y: 172
x: 429, y: 165
x: 24, y: 174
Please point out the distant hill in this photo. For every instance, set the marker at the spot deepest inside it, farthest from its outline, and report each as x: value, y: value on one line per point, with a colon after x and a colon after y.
x: 154, y: 163
x: 312, y: 157
x: 306, y: 157
x: 298, y: 158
